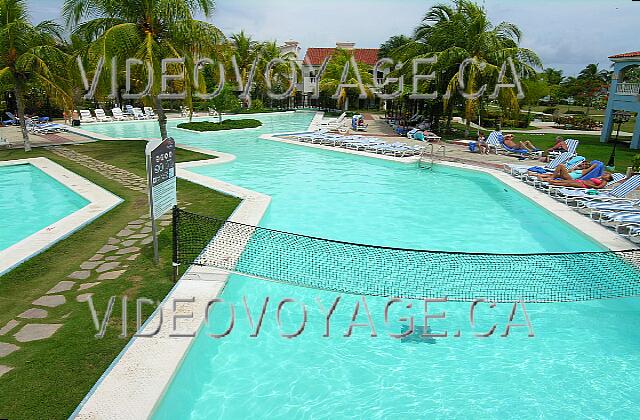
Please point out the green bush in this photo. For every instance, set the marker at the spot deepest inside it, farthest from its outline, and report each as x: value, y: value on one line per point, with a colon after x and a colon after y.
x: 224, y: 125
x: 549, y: 110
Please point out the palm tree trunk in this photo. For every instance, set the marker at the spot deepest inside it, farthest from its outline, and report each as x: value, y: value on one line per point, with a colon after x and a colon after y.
x: 162, y: 118
x: 19, y: 91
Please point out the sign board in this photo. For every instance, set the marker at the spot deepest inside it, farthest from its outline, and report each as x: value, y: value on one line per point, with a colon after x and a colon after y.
x: 161, y: 173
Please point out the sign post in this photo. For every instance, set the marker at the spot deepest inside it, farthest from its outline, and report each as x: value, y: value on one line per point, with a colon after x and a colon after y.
x: 161, y: 180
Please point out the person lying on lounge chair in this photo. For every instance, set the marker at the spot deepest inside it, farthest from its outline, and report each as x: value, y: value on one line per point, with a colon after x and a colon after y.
x: 565, y: 178
x: 561, y: 172
x: 595, y: 183
x: 527, y: 145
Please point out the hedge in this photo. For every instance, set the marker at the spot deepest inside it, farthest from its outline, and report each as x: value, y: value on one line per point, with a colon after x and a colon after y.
x: 224, y: 125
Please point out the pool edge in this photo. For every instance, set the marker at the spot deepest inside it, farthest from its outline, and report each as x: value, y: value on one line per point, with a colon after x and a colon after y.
x: 100, y: 202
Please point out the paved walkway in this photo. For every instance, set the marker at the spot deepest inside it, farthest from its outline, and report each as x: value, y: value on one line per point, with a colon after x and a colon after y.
x: 109, y: 263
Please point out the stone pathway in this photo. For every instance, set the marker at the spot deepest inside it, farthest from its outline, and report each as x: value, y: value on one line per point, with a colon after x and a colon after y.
x: 109, y: 263
x: 124, y: 177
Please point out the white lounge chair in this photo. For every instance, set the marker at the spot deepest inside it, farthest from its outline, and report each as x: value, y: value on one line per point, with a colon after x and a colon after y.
x: 118, y: 115
x: 138, y: 114
x: 101, y: 115
x: 86, y: 117
x: 148, y: 112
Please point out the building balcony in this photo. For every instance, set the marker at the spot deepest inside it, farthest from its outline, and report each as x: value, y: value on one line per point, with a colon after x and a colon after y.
x: 309, y: 84
x: 628, y: 89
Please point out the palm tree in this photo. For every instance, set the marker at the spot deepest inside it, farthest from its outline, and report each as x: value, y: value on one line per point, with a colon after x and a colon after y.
x: 388, y: 47
x: 332, y: 75
x: 464, y: 31
x: 30, y: 55
x: 148, y: 30
x: 552, y: 76
x: 592, y: 81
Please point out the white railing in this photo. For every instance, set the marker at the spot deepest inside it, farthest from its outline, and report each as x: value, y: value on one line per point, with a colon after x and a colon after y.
x: 628, y: 89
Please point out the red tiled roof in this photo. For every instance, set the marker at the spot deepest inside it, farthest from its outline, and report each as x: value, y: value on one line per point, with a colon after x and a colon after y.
x: 315, y: 56
x: 626, y: 55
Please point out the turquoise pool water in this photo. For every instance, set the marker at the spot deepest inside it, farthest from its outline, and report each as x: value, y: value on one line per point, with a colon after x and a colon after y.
x: 582, y: 362
x: 31, y: 200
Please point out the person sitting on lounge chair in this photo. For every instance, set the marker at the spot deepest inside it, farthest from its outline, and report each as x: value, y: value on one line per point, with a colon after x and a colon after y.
x: 483, y: 147
x: 560, y: 146
x: 524, y: 145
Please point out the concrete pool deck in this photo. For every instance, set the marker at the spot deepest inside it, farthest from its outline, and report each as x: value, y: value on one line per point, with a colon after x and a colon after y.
x: 136, y: 381
x: 100, y: 202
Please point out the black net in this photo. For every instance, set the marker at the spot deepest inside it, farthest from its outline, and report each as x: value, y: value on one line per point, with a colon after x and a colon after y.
x: 407, y: 273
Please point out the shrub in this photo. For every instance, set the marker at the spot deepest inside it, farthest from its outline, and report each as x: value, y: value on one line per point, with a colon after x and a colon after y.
x: 224, y: 125
x: 549, y: 110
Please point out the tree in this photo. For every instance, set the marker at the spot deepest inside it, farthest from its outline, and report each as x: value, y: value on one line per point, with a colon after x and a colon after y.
x: 148, y: 30
x: 389, y: 47
x: 30, y: 55
x: 552, y: 76
x: 464, y: 31
x: 332, y: 76
x: 535, y: 88
x: 591, y: 82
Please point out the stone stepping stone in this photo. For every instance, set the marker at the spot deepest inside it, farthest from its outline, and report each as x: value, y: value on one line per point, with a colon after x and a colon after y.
x: 96, y: 257
x: 129, y: 242
x: 79, y: 275
x: 145, y: 230
x: 33, y: 332
x: 34, y: 313
x: 113, y: 241
x: 9, y: 326
x: 7, y: 348
x: 133, y: 257
x: 146, y: 240
x: 88, y: 285
x: 4, y: 369
x: 50, y: 301
x: 84, y: 297
x: 107, y: 266
x: 111, y: 275
x: 139, y: 236
x: 137, y: 222
x: 129, y: 250
x: 125, y: 232
x: 90, y: 265
x: 113, y: 257
x: 62, y: 286
x: 107, y: 248
x: 165, y: 223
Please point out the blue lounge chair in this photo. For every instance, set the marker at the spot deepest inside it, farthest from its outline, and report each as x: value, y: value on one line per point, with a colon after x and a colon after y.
x: 13, y: 120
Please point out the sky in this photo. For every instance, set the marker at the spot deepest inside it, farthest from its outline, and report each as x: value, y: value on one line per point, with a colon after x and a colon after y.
x: 566, y: 34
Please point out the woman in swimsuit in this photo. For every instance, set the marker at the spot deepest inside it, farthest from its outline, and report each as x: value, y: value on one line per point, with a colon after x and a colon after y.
x: 561, y: 172
x: 595, y: 183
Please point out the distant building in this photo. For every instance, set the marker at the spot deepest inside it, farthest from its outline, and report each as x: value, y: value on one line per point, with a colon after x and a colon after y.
x: 623, y: 95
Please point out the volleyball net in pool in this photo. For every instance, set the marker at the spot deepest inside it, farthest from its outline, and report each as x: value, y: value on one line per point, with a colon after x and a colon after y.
x: 405, y: 273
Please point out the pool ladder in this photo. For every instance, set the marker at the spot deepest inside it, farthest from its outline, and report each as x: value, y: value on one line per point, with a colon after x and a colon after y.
x: 428, y: 155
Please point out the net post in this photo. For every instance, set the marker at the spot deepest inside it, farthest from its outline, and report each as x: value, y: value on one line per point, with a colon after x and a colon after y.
x: 175, y: 216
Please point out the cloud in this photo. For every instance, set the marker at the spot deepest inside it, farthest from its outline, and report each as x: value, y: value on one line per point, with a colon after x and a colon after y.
x: 568, y: 34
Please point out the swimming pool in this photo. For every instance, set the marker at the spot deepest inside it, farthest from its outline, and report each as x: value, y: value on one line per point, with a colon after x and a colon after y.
x: 582, y: 362
x: 31, y: 200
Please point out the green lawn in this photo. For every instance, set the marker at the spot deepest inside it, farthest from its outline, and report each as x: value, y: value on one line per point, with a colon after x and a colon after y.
x: 50, y: 377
